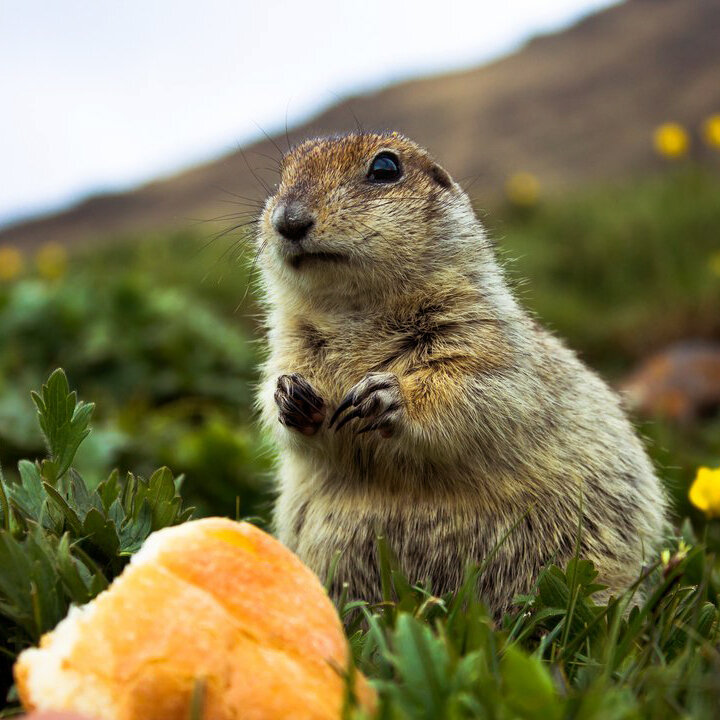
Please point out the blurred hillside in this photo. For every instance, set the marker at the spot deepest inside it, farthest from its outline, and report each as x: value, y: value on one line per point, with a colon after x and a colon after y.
x: 571, y: 108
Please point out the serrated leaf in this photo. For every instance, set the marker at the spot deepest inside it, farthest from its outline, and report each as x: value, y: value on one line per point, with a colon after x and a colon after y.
x: 161, y: 495
x: 101, y: 532
x: 49, y: 471
x: 161, y: 486
x: 98, y: 581
x: 14, y: 564
x: 80, y: 497
x: 109, y: 490
x: 29, y: 582
x: 553, y: 589
x: 581, y: 574
x: 76, y: 585
x: 61, y: 503
x: 117, y: 514
x: 64, y: 422
x: 42, y: 569
x: 49, y: 603
x: 28, y: 495
x: 136, y: 531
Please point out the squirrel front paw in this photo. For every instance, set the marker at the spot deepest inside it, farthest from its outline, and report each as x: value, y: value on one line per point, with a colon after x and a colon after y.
x: 377, y: 399
x: 301, y: 408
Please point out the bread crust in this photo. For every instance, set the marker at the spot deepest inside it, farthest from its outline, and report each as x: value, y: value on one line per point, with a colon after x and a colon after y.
x: 479, y: 426
x: 211, y: 602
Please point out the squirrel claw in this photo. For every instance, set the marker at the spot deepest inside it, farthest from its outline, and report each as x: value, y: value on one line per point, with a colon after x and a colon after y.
x: 376, y: 398
x: 341, y: 408
x: 301, y: 408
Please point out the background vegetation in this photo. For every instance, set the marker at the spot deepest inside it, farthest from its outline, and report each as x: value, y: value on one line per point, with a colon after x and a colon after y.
x: 160, y: 330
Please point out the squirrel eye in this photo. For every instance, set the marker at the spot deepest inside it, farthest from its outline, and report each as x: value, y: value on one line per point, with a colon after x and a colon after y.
x: 385, y: 168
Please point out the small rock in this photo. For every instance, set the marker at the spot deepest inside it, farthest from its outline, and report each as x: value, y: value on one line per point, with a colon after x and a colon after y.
x: 680, y: 383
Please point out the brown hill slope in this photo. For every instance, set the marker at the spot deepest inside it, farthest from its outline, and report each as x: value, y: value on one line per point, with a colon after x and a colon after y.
x: 572, y: 107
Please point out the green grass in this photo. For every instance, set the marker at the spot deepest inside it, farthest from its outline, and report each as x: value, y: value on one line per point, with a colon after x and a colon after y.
x: 650, y: 653
x: 558, y: 655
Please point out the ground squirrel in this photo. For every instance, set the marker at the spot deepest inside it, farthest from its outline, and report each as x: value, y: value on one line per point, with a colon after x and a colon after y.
x: 418, y: 399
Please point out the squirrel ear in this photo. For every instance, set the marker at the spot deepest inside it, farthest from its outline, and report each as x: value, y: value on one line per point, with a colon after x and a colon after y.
x: 440, y: 176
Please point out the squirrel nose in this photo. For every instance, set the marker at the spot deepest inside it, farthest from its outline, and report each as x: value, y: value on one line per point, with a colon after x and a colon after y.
x: 292, y: 221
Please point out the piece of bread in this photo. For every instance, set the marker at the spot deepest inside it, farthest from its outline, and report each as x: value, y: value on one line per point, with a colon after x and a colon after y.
x: 51, y: 716
x: 211, y: 607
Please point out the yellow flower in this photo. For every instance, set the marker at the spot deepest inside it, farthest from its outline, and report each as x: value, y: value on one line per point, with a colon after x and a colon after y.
x: 671, y: 140
x: 714, y: 263
x: 51, y: 261
x: 711, y: 131
x: 11, y: 262
x: 670, y: 561
x: 522, y: 188
x: 705, y: 491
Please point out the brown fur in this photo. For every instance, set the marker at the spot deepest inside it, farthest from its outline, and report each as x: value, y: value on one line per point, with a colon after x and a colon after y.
x: 478, y: 418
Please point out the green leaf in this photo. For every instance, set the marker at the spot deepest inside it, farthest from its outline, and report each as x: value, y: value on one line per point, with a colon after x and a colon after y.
x: 102, y: 533
x: 422, y: 661
x: 64, y: 422
x: 553, y: 589
x: 117, y: 514
x: 29, y: 582
x: 98, y: 581
x: 185, y: 515
x: 162, y: 499
x: 76, y: 582
x: 58, y: 538
x: 136, y: 531
x: 109, y: 490
x: 528, y: 687
x: 161, y: 495
x: 70, y: 515
x: 4, y: 504
x: 129, y: 491
x: 582, y: 573
x: 29, y: 496
x: 83, y: 500
x: 706, y: 621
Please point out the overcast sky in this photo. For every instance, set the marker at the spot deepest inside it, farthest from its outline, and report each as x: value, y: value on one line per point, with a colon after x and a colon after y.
x: 103, y: 94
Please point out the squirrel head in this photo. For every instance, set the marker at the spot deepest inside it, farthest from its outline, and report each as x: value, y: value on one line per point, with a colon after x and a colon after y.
x: 363, y: 213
